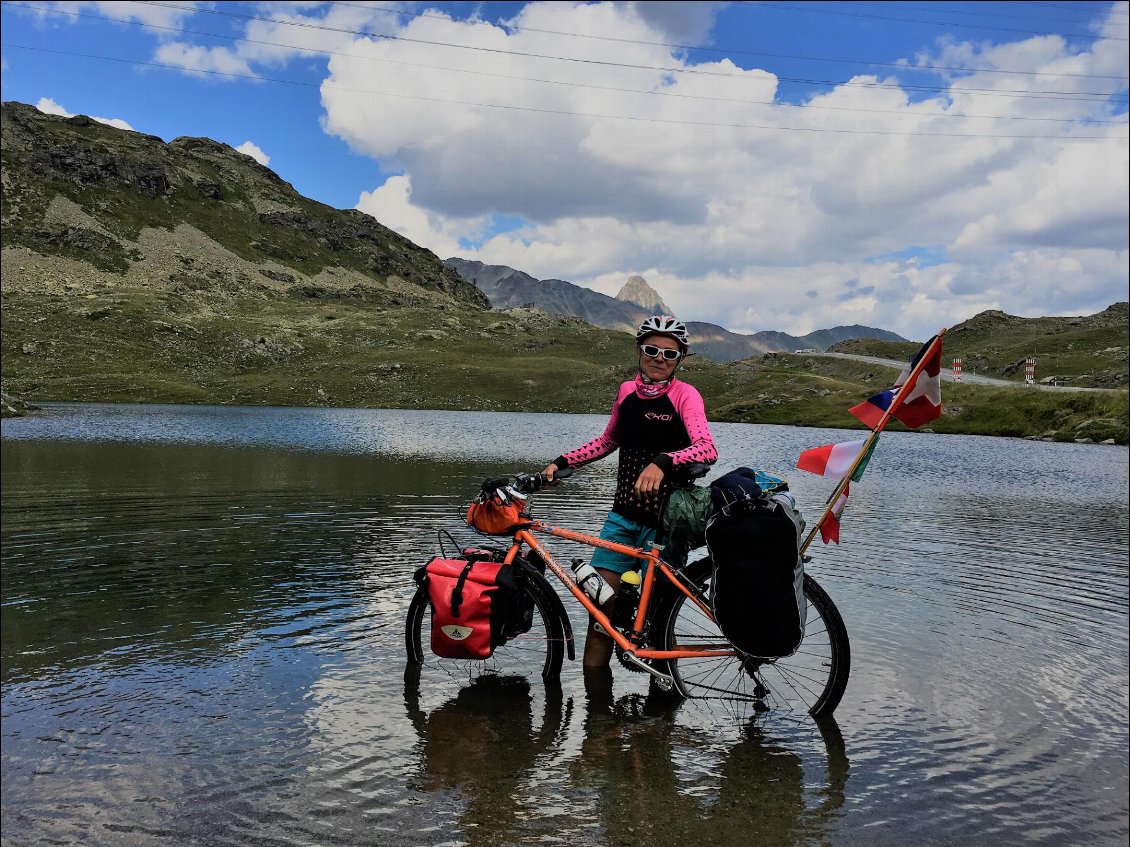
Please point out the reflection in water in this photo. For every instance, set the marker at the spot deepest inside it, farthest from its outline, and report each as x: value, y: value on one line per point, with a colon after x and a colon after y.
x: 483, y: 744
x: 658, y: 783
x: 201, y: 642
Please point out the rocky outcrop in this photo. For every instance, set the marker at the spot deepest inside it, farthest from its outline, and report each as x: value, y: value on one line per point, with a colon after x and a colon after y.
x: 12, y: 407
x: 637, y: 291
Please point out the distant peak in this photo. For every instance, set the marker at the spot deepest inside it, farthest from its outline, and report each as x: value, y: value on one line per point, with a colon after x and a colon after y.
x: 636, y: 290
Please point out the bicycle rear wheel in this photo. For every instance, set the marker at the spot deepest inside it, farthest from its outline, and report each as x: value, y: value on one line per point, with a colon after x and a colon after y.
x: 813, y: 679
x: 539, y: 650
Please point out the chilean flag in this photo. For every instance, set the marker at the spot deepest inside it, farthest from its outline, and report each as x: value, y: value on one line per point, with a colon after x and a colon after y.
x: 921, y: 398
x: 833, y: 460
x: 830, y: 528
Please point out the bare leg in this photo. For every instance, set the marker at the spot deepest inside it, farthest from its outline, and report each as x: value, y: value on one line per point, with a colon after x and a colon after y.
x: 598, y: 688
x: 598, y: 646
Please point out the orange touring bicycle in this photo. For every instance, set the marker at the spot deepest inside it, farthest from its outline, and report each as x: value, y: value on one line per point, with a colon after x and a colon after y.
x: 671, y: 636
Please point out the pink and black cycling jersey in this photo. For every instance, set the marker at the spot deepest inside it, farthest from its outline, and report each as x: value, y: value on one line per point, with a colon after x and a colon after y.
x: 668, y: 429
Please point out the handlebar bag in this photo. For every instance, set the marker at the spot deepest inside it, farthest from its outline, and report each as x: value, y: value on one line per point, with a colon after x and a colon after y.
x: 472, y: 606
x: 757, y: 589
x: 490, y: 515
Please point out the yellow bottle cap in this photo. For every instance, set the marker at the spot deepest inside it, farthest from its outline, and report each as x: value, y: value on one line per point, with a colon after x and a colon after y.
x: 631, y: 577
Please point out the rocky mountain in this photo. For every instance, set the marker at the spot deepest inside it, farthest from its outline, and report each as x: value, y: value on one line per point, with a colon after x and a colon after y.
x: 637, y: 291
x: 88, y: 205
x: 508, y: 288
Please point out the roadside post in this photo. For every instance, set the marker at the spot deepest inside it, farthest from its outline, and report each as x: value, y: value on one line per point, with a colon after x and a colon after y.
x: 1030, y: 371
x: 957, y: 370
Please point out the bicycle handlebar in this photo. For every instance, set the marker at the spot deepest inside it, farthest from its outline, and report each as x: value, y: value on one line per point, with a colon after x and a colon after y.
x: 529, y: 483
x: 523, y: 483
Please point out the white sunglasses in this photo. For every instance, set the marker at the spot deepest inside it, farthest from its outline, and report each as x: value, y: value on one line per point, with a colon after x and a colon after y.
x: 664, y: 352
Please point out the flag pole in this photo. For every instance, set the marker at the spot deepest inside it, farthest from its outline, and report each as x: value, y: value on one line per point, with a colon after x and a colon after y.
x: 864, y: 452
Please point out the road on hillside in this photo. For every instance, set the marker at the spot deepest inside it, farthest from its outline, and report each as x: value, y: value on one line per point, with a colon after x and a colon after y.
x: 947, y: 374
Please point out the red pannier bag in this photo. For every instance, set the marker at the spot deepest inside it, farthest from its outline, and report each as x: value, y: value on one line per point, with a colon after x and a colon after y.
x: 472, y: 604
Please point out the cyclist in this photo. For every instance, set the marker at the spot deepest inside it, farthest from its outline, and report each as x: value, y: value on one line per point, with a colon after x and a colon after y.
x: 658, y: 423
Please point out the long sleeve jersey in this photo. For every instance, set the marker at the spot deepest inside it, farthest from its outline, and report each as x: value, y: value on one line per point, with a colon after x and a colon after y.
x: 668, y: 429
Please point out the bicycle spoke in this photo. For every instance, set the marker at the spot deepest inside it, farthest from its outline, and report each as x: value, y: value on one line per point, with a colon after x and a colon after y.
x: 811, y: 680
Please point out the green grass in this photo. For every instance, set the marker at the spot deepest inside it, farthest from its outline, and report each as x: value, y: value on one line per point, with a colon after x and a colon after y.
x: 146, y: 346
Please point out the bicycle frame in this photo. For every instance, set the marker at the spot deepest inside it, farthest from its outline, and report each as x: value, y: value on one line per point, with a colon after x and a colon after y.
x: 629, y: 645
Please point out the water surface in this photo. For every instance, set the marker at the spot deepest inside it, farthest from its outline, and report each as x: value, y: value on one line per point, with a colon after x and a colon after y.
x: 202, y: 644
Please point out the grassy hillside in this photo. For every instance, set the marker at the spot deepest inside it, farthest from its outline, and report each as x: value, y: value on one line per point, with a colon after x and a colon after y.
x: 138, y: 346
x: 785, y: 389
x: 142, y: 346
x: 1087, y: 351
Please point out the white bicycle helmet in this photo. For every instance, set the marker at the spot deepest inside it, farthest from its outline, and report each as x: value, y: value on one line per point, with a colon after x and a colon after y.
x: 664, y: 325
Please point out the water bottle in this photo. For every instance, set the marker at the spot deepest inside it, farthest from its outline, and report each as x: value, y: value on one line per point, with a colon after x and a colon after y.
x: 591, y: 582
x: 627, y: 598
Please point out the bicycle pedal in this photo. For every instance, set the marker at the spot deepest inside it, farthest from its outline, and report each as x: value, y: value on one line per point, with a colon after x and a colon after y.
x: 661, y: 679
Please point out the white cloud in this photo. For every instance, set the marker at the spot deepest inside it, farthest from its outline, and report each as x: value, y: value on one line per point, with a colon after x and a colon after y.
x: 391, y: 204
x: 169, y: 14
x: 785, y: 227
x: 251, y: 149
x: 738, y: 208
x: 50, y: 107
x: 202, y: 60
x: 289, y: 31
x: 156, y: 15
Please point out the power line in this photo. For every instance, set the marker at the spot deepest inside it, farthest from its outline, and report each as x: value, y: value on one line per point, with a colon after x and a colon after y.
x: 1074, y: 7
x: 936, y: 9
x: 562, y: 112
x: 729, y: 51
x: 843, y: 13
x: 669, y: 94
x: 1048, y: 95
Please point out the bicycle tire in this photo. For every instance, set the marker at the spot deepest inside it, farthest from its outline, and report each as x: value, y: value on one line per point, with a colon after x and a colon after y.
x: 539, y: 651
x: 813, y: 679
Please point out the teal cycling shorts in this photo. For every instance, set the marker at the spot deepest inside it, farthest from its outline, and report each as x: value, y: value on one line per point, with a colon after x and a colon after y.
x: 622, y: 530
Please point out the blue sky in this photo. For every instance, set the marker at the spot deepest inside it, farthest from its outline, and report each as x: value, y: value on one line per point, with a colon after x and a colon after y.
x: 764, y: 165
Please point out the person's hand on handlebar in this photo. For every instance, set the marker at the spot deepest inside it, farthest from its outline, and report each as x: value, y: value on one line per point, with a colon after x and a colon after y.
x: 549, y: 471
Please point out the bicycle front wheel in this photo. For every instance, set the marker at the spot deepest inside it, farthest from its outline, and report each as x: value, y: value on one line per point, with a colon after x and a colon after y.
x: 813, y: 679
x: 539, y: 649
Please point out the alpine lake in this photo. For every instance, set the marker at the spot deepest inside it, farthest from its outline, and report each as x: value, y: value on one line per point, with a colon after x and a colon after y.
x: 203, y: 644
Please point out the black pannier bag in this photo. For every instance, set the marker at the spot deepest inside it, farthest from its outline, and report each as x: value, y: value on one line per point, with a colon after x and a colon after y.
x: 753, y: 534
x: 474, y: 604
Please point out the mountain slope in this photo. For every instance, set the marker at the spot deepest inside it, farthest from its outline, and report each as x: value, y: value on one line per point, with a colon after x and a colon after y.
x: 192, y: 215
